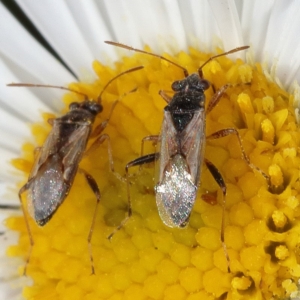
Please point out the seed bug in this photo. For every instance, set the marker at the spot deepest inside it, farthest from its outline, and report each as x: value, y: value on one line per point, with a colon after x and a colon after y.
x: 181, y: 147
x: 57, y: 161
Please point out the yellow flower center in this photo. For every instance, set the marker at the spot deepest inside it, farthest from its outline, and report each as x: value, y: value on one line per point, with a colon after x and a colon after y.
x: 146, y: 259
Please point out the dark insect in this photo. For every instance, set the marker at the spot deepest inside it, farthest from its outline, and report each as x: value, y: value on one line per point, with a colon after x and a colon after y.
x: 181, y: 147
x: 57, y: 161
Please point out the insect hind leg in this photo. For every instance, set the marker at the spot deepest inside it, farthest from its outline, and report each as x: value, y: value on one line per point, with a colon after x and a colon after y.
x: 23, y: 189
x: 220, y: 181
x: 94, y: 187
x: 137, y: 162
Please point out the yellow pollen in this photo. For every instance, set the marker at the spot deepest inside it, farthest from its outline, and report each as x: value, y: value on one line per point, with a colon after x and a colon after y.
x: 279, y: 219
x: 268, y: 104
x: 241, y: 283
x: 276, y: 175
x: 245, y: 103
x: 282, y: 252
x: 146, y: 259
x: 289, y: 152
x: 289, y: 285
x: 268, y: 131
x: 292, y: 202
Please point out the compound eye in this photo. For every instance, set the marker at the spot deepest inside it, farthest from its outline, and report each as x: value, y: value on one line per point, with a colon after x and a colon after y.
x: 204, y: 84
x: 97, y: 108
x: 177, y: 86
x: 92, y: 106
x: 73, y: 105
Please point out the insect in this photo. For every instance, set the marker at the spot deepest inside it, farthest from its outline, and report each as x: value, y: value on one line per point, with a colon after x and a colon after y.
x: 57, y: 161
x: 181, y: 145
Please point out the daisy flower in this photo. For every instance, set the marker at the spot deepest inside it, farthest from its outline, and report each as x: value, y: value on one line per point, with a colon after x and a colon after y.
x: 146, y: 259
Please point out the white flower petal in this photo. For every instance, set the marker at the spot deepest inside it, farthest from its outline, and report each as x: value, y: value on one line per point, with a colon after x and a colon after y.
x: 226, y: 16
x: 8, y: 176
x: 27, y: 57
x: 199, y: 26
x: 140, y: 23
x: 16, y: 98
x: 93, y: 25
x: 255, y: 17
x: 10, y: 283
x: 76, y: 30
x: 270, y: 27
x: 281, y: 41
x: 58, y: 25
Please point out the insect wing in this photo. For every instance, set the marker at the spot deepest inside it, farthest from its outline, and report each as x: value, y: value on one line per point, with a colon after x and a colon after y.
x: 74, y: 150
x: 193, y: 144
x: 181, y: 157
x: 55, y: 168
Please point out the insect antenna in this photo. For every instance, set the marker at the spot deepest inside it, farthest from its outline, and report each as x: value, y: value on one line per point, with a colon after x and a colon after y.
x: 218, y: 55
x: 185, y: 71
x: 114, y: 78
x: 47, y: 86
x: 74, y: 91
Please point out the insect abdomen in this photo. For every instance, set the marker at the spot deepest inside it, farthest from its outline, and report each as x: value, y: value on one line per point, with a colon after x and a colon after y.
x: 176, y: 193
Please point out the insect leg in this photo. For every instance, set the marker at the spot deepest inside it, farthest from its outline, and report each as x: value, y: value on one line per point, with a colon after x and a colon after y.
x: 23, y: 189
x: 220, y: 181
x: 137, y: 162
x: 167, y: 98
x: 210, y: 198
x: 94, y: 186
x: 148, y: 138
x: 8, y: 206
x: 216, y: 97
x: 103, y: 125
x: 228, y: 131
x: 96, y: 144
x: 218, y: 94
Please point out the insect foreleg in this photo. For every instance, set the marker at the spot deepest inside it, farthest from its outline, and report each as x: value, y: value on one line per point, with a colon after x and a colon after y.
x: 103, y: 125
x: 217, y: 97
x: 163, y: 94
x: 97, y: 131
x: 219, y: 93
x: 96, y: 144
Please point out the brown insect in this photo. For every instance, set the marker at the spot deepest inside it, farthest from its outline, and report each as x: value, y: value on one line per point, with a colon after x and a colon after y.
x: 181, y: 146
x: 57, y: 161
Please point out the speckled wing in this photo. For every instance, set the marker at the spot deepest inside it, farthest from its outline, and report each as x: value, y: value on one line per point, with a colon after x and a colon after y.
x: 179, y: 168
x: 55, y: 168
x: 193, y: 144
